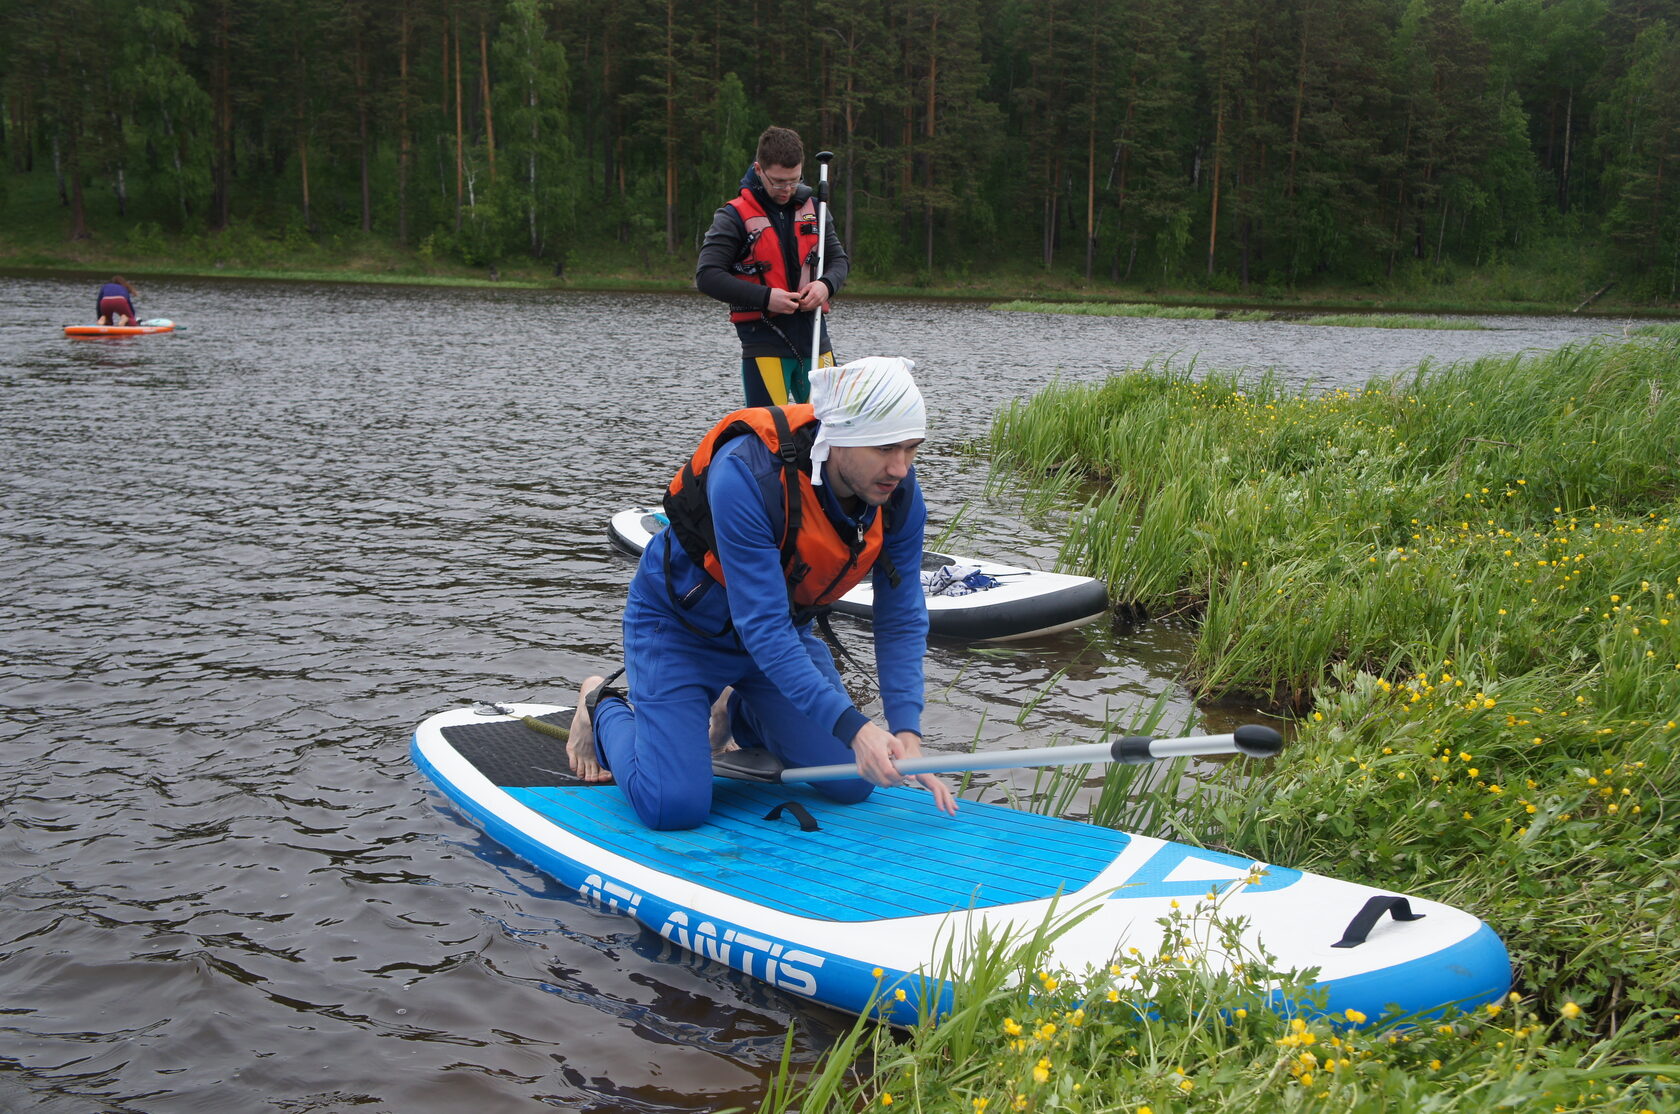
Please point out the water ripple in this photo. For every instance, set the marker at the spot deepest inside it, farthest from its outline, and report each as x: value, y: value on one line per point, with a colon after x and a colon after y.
x: 244, y: 559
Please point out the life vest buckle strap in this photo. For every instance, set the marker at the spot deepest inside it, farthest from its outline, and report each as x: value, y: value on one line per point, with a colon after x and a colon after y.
x: 787, y: 448
x: 884, y: 563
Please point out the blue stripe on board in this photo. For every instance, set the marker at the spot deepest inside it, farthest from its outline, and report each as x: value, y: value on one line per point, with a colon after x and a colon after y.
x: 1463, y: 976
x: 892, y: 856
x: 1151, y: 880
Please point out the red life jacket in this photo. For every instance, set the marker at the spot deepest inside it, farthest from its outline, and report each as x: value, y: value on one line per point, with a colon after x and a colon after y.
x: 761, y: 258
x: 820, y: 564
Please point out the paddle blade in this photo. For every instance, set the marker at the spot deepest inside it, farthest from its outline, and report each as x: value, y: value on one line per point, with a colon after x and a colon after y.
x: 748, y: 764
x: 1258, y: 741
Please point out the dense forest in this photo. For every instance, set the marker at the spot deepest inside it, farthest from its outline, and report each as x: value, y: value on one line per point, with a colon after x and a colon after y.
x: 1230, y: 143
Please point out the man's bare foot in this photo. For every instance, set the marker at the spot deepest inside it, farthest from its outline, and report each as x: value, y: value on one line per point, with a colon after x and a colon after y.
x: 718, y: 731
x: 580, y: 741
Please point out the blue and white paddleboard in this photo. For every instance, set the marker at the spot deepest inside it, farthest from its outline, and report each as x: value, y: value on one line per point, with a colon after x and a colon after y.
x: 1023, y: 603
x: 881, y: 892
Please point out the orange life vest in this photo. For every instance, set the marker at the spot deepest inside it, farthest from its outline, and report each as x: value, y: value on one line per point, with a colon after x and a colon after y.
x: 761, y: 258
x: 820, y: 564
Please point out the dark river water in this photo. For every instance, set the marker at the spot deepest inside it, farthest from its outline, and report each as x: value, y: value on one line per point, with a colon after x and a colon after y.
x: 241, y: 561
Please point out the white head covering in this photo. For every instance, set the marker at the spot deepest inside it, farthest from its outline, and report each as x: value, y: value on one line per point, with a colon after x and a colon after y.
x: 872, y: 401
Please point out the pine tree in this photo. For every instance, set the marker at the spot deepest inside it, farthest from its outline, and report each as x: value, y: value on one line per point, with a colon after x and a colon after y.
x: 532, y: 90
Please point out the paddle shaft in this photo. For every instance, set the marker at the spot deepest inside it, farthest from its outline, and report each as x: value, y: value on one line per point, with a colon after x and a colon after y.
x: 1253, y: 740
x: 822, y: 245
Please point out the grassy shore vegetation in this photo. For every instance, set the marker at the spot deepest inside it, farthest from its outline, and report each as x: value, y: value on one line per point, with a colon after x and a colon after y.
x: 1207, y: 313
x: 1111, y: 309
x: 1464, y: 580
x: 1390, y: 321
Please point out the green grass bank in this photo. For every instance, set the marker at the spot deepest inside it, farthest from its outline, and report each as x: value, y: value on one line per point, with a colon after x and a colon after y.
x: 1206, y: 313
x: 1464, y: 581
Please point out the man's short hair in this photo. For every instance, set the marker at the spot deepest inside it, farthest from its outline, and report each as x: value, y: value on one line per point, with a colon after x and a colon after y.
x: 780, y: 147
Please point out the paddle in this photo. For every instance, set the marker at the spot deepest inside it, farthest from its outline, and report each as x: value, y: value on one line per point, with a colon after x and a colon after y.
x: 756, y: 764
x: 823, y: 158
x: 1251, y: 739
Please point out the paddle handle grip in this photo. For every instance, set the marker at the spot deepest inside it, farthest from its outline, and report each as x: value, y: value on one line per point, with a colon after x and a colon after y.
x: 1253, y: 740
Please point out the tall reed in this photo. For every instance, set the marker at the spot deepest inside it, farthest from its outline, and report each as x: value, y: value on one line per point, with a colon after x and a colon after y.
x: 1306, y: 529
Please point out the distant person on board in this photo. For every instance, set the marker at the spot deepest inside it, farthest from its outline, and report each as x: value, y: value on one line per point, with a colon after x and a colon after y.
x: 115, y: 304
x: 725, y: 598
x: 759, y: 258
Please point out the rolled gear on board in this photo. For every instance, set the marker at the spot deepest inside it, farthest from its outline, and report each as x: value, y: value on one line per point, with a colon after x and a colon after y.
x: 956, y: 580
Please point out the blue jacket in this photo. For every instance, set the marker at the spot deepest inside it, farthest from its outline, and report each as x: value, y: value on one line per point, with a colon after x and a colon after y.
x: 756, y: 599
x: 113, y: 290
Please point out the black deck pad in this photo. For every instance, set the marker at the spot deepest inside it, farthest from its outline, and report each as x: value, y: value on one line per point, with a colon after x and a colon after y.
x: 515, y: 756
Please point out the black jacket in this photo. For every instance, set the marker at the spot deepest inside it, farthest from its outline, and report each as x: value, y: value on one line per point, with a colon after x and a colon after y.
x: 788, y: 335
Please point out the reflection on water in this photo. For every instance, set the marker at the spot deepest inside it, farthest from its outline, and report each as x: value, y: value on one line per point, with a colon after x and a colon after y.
x: 244, y: 559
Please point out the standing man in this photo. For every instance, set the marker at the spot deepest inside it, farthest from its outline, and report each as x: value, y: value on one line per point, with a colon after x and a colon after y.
x: 760, y: 258
x: 779, y: 512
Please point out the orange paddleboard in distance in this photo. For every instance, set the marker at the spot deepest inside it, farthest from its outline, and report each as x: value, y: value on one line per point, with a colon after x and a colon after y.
x: 158, y: 325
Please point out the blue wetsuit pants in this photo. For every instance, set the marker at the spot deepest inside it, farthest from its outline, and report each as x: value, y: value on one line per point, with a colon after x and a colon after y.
x: 658, y: 751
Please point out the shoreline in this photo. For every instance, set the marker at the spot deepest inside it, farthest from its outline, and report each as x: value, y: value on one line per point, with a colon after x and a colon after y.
x: 1005, y: 290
